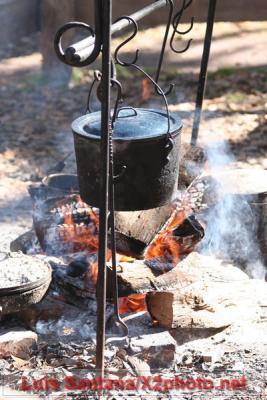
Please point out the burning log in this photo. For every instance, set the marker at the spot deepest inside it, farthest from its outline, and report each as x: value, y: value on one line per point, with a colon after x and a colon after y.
x: 133, y: 278
x: 66, y: 225
x: 140, y: 278
x: 217, y: 296
x: 135, y: 230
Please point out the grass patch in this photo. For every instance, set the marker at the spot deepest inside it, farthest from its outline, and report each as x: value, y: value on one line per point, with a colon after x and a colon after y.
x: 77, y: 76
x: 33, y: 81
x: 222, y: 73
x: 236, y: 97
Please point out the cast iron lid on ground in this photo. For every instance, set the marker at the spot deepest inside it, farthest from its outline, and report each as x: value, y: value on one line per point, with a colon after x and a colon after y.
x: 131, y: 124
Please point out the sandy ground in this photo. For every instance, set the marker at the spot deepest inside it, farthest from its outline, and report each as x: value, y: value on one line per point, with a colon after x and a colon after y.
x: 35, y: 119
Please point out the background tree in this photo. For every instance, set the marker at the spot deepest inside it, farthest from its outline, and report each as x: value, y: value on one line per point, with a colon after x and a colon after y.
x: 54, y: 14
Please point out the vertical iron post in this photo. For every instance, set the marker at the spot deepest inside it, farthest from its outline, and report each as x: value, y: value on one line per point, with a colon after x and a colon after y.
x: 104, y: 187
x: 203, y: 71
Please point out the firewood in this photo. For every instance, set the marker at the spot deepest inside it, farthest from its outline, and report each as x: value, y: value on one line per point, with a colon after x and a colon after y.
x: 133, y: 278
x: 135, y: 230
x: 139, y: 278
x: 217, y: 296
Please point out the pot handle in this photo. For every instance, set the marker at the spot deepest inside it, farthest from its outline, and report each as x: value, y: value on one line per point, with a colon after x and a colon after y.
x: 127, y: 116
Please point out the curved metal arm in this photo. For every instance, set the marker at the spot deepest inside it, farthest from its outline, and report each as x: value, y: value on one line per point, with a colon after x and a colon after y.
x: 70, y: 57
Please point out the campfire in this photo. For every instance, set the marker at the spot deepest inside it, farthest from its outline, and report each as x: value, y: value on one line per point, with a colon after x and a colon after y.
x: 151, y: 244
x: 67, y: 227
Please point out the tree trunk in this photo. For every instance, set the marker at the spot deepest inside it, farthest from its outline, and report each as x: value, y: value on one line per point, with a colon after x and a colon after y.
x: 54, y: 14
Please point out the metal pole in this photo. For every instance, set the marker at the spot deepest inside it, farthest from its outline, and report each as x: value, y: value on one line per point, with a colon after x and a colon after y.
x: 84, y: 47
x: 203, y: 71
x: 104, y: 187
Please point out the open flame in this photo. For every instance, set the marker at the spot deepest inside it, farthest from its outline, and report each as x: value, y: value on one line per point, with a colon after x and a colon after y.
x: 164, y: 250
x: 83, y: 236
x: 165, y: 247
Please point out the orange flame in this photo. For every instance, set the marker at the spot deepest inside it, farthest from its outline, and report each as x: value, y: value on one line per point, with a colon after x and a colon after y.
x: 165, y: 245
x: 85, y: 238
x: 134, y: 303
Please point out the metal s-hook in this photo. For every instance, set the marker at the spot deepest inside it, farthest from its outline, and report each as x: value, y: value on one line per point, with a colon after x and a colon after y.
x: 116, y: 53
x: 169, y: 22
x: 134, y: 65
x: 176, y: 22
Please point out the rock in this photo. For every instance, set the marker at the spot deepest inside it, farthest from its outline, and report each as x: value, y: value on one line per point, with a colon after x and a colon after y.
x: 50, y: 309
x: 17, y: 342
x: 207, y: 358
x: 140, y: 367
x: 158, y: 349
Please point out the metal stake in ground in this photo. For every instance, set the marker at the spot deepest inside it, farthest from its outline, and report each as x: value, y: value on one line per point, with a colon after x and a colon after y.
x: 104, y: 187
x: 203, y: 71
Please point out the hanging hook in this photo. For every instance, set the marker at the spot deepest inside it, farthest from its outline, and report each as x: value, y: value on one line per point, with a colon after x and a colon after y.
x: 171, y: 86
x: 116, y: 53
x: 176, y: 21
x: 134, y: 65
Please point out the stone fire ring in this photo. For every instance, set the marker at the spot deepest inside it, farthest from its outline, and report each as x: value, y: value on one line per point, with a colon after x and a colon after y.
x: 15, y: 297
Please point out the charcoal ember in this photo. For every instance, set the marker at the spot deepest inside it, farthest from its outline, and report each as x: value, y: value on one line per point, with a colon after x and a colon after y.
x: 159, y: 265
x: 78, y: 266
x: 190, y: 227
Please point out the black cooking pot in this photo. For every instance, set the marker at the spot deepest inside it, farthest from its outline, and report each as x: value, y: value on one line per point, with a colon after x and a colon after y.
x: 146, y: 158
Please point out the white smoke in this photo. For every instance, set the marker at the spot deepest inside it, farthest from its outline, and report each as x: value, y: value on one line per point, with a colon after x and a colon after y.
x: 231, y: 226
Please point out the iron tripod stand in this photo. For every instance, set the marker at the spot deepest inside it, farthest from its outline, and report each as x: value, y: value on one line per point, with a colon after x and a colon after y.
x: 85, y: 52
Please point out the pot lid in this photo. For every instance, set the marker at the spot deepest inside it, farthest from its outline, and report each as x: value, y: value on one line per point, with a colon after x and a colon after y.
x: 131, y: 123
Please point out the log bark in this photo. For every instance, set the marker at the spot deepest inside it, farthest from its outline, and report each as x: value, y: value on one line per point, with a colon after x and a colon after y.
x: 135, y: 230
x: 140, y: 278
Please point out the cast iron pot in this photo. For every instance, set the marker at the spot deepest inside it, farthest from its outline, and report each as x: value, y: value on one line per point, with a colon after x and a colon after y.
x: 146, y: 158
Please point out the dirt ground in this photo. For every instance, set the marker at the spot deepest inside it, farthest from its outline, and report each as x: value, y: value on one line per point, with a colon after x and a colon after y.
x: 36, y: 114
